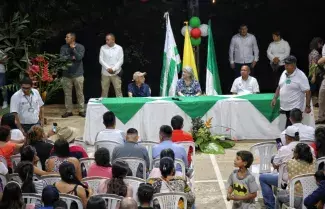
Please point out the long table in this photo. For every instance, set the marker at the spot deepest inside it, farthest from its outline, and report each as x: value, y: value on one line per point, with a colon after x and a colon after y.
x: 238, y: 117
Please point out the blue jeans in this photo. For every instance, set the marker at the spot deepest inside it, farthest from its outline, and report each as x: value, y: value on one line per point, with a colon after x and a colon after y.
x: 267, y: 180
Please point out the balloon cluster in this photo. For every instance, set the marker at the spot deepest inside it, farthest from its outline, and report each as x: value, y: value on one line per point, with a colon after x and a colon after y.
x: 197, y: 30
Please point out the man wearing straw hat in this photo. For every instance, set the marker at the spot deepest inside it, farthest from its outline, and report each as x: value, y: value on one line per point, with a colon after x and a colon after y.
x: 70, y: 134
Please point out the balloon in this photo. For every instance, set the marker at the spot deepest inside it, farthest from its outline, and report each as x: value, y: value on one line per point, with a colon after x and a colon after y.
x: 184, y: 28
x: 195, y: 41
x: 195, y: 22
x: 204, y: 30
x: 196, y: 33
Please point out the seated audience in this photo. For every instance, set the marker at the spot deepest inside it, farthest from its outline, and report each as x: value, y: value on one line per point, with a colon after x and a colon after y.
x: 145, y: 195
x: 7, y: 149
x: 28, y: 153
x: 155, y: 172
x: 285, y: 153
x: 116, y: 185
x: 302, y: 163
x: 9, y: 119
x: 51, y: 197
x: 70, y: 184
x: 70, y: 134
x: 102, y: 166
x: 245, y: 84
x: 128, y: 203
x: 165, y: 135
x: 36, y: 138
x: 139, y: 88
x: 12, y: 197
x: 131, y: 148
x: 305, y: 132
x: 242, y: 187
x: 320, y: 141
x: 96, y: 202
x: 168, y: 182
x: 25, y: 171
x: 179, y: 135
x: 317, y: 198
x: 110, y: 133
x: 188, y: 85
x: 61, y: 150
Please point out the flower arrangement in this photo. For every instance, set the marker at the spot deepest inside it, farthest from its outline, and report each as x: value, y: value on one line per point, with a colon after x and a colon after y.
x: 205, y: 141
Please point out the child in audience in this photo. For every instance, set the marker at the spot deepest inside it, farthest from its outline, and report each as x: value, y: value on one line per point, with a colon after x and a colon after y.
x: 242, y: 185
x: 145, y: 194
x: 317, y: 198
x: 95, y: 202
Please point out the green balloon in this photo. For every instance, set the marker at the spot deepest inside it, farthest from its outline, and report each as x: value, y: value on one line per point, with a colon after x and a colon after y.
x: 195, y: 22
x: 195, y: 41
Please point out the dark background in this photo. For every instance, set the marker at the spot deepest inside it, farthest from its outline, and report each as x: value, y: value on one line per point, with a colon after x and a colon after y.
x: 140, y: 29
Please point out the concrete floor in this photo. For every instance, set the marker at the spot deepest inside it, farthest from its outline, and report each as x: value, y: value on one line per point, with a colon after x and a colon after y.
x: 211, y: 171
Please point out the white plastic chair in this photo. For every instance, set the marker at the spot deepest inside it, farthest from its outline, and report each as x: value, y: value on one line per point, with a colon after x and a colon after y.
x: 15, y: 177
x: 110, y: 145
x: 319, y: 161
x: 32, y: 198
x: 309, y: 185
x: 15, y: 159
x: 93, y: 182
x: 264, y: 151
x: 187, y: 146
x: 135, y: 183
x: 169, y: 200
x: 85, y: 163
x: 149, y: 145
x: 51, y: 178
x: 3, y: 160
x: 69, y: 199
x: 307, y: 141
x: 112, y: 200
x: 178, y: 162
x: 134, y: 164
x: 80, y: 142
x: 4, y: 180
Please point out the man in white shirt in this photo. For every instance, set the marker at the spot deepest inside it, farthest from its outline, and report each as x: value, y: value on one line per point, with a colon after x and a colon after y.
x: 285, y: 153
x: 278, y: 50
x: 305, y: 132
x: 111, y: 58
x: 110, y: 133
x: 293, y: 90
x: 243, y: 50
x: 245, y: 84
x: 27, y: 105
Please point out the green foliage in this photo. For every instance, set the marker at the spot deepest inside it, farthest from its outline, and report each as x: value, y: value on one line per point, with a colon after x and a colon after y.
x: 52, y: 89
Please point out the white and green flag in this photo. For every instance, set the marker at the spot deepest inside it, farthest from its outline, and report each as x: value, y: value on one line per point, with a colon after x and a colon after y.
x: 212, y: 78
x: 171, y: 63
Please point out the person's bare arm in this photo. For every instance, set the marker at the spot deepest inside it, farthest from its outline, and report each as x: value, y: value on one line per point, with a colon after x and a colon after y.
x: 198, y: 94
x: 17, y: 148
x: 249, y: 196
x: 229, y: 192
x: 18, y: 123
x: 130, y: 94
x: 321, y: 61
x: 308, y: 99
x: 40, y: 172
x: 276, y: 95
x: 41, y: 116
x: 180, y: 94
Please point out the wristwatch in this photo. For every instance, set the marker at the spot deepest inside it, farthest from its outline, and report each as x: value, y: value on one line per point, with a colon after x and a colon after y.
x: 308, y: 106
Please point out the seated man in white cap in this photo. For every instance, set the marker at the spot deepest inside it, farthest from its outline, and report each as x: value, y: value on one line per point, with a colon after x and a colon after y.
x: 138, y: 88
x: 69, y: 134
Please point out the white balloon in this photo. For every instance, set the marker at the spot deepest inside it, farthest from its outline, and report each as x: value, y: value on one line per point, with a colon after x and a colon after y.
x: 184, y: 28
x: 204, y: 30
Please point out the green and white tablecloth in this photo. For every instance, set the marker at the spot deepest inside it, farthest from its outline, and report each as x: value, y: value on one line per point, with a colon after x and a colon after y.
x: 241, y: 117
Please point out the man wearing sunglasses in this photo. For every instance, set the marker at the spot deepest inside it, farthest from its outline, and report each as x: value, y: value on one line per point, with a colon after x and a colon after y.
x: 27, y: 106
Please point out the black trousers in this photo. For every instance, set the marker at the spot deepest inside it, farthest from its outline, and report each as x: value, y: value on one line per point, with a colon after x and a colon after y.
x: 287, y: 113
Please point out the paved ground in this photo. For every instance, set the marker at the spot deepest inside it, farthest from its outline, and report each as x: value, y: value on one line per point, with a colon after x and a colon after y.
x: 211, y: 171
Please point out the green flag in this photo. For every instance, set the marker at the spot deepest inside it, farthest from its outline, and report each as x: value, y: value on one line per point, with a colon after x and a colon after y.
x: 212, y: 78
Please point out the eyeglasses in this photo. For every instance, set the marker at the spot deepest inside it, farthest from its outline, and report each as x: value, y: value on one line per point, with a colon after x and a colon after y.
x: 26, y: 88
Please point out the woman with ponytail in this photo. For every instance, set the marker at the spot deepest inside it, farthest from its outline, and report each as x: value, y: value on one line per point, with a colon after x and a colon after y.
x: 302, y: 163
x: 25, y: 171
x: 320, y: 141
x: 116, y: 184
x: 70, y: 184
x: 168, y: 182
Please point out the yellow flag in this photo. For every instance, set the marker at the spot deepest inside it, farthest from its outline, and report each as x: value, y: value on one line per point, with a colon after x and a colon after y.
x: 188, y: 54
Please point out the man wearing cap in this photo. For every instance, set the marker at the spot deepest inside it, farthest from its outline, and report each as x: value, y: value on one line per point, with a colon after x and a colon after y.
x: 138, y: 88
x: 111, y: 58
x: 245, y: 84
x: 69, y: 134
x: 293, y: 89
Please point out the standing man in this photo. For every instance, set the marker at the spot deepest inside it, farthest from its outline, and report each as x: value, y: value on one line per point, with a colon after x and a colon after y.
x: 3, y: 59
x: 27, y: 106
x: 243, y: 50
x: 278, y: 50
x: 74, y: 75
x: 111, y: 58
x: 245, y: 84
x: 321, y: 95
x: 293, y: 89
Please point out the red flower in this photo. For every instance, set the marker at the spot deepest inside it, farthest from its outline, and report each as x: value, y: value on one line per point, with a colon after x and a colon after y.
x: 40, y: 59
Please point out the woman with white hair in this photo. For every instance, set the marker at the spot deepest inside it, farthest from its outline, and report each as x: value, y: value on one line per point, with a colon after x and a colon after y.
x: 187, y: 85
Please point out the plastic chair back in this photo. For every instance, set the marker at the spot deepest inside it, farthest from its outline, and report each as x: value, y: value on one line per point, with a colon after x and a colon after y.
x: 264, y: 152
x: 51, y: 178
x: 112, y: 200
x: 70, y: 199
x: 135, y: 183
x: 93, y: 182
x: 170, y: 200
x: 135, y: 164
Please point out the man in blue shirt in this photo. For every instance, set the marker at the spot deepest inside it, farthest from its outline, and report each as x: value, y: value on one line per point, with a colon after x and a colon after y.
x: 165, y: 135
x: 138, y: 88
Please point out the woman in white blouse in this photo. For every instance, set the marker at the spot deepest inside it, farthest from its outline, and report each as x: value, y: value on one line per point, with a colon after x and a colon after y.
x: 278, y: 50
